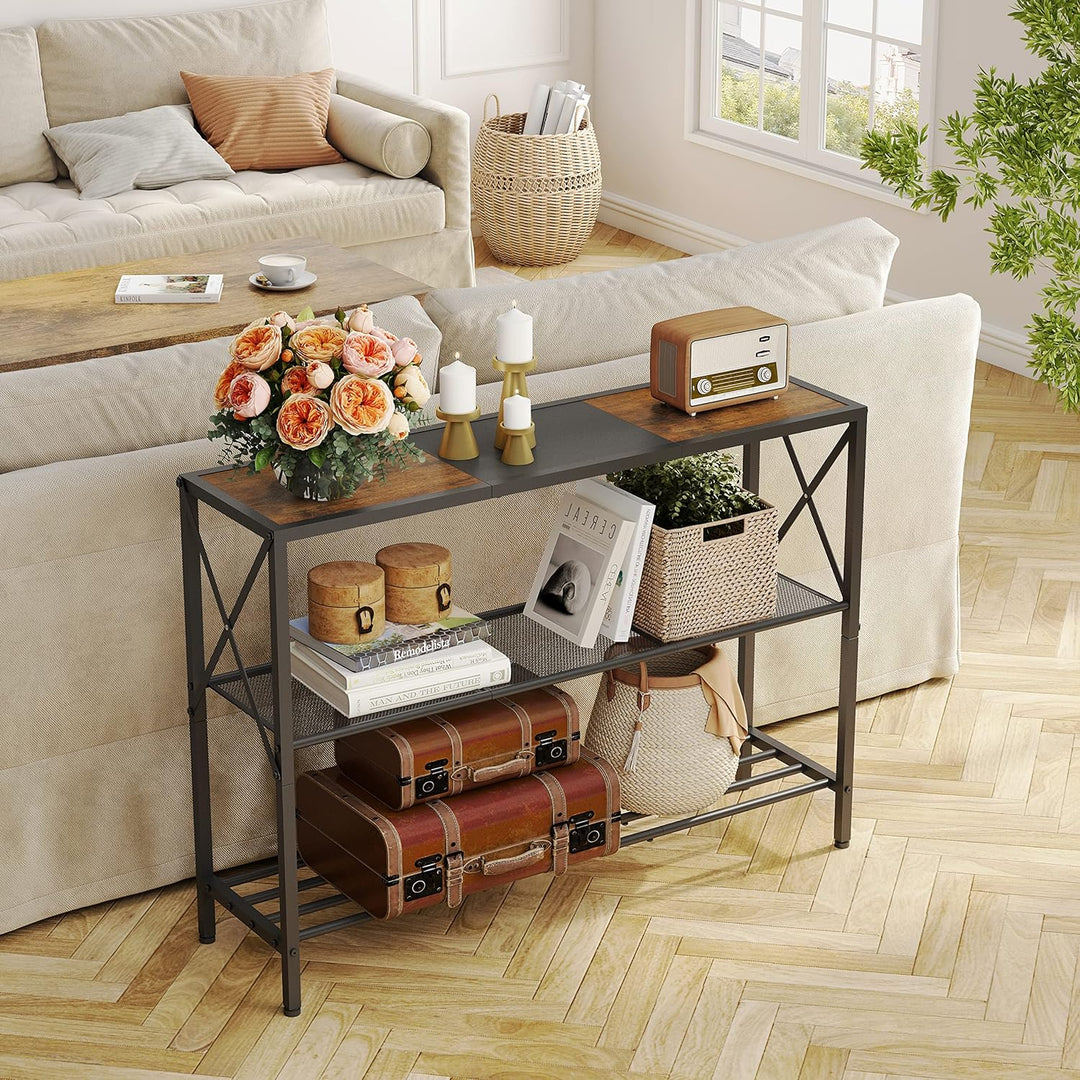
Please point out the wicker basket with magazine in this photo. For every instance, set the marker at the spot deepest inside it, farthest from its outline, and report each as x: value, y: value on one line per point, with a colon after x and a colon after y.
x: 696, y: 580
x: 536, y: 196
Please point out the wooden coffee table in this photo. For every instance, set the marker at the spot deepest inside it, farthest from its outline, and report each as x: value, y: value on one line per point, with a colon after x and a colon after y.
x: 60, y: 318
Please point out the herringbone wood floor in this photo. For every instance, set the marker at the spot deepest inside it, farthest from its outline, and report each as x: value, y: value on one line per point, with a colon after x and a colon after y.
x: 944, y: 943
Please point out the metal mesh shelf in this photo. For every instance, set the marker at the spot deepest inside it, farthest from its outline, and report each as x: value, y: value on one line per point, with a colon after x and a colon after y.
x: 538, y: 656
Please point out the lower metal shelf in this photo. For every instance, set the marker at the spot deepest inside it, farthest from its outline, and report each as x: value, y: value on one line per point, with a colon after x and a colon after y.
x: 247, y: 906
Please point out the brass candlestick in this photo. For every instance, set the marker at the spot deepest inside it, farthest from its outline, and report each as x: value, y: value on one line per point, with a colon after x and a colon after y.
x: 517, y: 444
x: 513, y: 383
x: 458, y: 441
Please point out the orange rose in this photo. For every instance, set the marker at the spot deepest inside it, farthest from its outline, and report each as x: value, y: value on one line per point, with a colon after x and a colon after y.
x: 257, y: 347
x: 221, y: 391
x: 296, y: 381
x: 318, y: 342
x: 303, y: 422
x: 362, y: 406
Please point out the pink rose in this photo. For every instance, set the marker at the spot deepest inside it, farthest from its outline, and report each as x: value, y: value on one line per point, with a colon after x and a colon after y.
x: 320, y: 374
x: 398, y: 426
x: 249, y: 394
x: 383, y: 335
x: 365, y: 354
x: 282, y: 319
x: 304, y: 422
x: 361, y: 321
x: 404, y: 350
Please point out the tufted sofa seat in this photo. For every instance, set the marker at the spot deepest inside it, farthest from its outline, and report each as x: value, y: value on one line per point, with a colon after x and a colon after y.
x: 66, y: 71
x: 46, y: 227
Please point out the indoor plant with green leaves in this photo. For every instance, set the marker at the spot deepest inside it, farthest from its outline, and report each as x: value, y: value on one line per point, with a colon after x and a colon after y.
x: 711, y: 561
x: 1017, y: 152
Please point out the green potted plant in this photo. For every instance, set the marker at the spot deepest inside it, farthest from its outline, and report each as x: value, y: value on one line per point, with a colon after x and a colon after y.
x: 1018, y: 152
x: 711, y: 561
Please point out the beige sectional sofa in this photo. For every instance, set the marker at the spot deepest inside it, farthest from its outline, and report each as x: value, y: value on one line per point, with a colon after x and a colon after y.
x: 94, y: 776
x: 69, y: 70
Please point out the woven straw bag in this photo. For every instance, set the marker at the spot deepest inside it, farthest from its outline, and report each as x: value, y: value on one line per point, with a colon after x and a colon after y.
x: 536, y: 196
x: 673, y: 736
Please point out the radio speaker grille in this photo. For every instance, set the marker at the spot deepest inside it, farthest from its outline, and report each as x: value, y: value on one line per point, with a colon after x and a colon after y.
x: 665, y: 368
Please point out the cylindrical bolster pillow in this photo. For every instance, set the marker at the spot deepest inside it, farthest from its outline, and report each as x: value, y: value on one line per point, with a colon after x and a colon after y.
x: 391, y: 144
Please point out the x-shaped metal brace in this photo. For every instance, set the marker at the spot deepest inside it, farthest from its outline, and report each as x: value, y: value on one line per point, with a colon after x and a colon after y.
x: 807, y: 501
x: 227, y: 637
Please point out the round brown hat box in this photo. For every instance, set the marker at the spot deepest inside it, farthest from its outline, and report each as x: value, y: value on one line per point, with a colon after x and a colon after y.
x: 346, y: 605
x: 418, y: 582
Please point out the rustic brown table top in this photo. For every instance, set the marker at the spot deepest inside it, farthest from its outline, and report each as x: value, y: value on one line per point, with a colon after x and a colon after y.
x: 60, y: 318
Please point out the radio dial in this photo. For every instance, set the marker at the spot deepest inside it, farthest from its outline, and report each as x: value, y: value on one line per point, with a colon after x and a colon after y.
x: 704, y: 386
x: 764, y: 374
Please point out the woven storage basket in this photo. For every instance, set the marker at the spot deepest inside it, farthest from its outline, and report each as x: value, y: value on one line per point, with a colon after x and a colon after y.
x: 677, y: 767
x: 693, y: 585
x: 537, y: 196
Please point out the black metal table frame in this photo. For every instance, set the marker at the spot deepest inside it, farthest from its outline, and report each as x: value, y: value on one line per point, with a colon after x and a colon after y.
x: 281, y: 928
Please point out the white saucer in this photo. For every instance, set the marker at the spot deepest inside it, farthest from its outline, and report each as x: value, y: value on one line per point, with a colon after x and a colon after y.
x: 303, y: 280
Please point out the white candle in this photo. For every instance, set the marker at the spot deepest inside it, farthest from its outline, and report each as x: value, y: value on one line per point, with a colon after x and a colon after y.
x: 517, y: 413
x: 513, y: 336
x: 457, y: 388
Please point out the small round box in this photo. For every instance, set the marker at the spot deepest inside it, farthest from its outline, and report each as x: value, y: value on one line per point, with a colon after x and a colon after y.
x: 346, y: 604
x: 418, y: 582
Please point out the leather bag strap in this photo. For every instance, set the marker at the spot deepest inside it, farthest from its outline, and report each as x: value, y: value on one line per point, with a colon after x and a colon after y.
x: 455, y: 860
x: 560, y: 829
x: 457, y: 752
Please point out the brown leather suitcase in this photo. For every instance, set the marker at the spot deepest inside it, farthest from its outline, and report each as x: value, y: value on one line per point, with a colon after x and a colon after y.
x: 391, y: 862
x: 444, y: 754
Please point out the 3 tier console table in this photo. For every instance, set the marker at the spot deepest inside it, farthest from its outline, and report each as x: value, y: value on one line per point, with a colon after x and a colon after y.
x: 577, y: 438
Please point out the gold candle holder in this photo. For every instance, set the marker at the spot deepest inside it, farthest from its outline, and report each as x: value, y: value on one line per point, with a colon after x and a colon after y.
x: 517, y: 444
x: 513, y: 383
x: 458, y: 441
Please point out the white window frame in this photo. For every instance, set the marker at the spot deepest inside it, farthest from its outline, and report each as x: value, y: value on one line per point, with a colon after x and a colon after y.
x: 805, y: 157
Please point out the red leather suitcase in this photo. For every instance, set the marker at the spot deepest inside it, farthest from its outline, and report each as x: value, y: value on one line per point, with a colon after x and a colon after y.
x: 391, y: 862
x: 444, y: 754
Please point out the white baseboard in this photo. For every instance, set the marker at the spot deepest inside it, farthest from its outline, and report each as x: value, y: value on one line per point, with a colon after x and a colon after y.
x: 1003, y: 348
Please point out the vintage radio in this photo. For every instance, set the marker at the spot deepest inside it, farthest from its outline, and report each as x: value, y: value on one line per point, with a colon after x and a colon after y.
x: 717, y: 358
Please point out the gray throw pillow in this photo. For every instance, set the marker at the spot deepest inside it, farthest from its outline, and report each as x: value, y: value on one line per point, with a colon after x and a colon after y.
x: 155, y: 148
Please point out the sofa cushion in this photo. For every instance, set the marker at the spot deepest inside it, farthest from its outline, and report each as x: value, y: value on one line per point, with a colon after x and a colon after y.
x: 818, y: 275
x: 265, y: 121
x: 115, y: 404
x: 135, y: 64
x: 22, y: 109
x: 155, y: 148
x: 46, y: 227
x: 392, y: 144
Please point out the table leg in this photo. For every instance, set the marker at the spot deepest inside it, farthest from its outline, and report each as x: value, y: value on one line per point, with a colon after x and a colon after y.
x: 286, y: 780
x: 849, y: 630
x: 751, y: 477
x: 196, y: 681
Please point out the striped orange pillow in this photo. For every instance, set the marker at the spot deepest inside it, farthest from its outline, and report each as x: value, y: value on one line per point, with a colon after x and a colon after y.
x: 265, y: 121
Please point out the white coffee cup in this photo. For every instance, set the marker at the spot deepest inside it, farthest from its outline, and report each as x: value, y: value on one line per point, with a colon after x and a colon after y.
x: 282, y: 269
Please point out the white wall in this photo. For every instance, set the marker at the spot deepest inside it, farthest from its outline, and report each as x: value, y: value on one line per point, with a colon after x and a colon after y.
x: 639, y: 79
x: 453, y: 50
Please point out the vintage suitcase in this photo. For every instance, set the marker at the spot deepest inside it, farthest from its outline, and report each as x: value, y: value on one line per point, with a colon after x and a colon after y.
x: 439, y: 852
x: 446, y: 753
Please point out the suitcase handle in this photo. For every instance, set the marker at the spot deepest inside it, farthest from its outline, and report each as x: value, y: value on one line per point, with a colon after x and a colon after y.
x: 516, y: 766
x: 495, y: 867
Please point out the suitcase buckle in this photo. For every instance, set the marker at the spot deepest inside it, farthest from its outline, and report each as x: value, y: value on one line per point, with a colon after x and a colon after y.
x: 427, y: 882
x: 455, y: 875
x: 435, y: 781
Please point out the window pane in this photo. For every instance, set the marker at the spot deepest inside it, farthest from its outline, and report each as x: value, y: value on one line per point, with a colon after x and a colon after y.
x: 847, y: 92
x: 740, y: 70
x: 856, y: 14
x: 792, y: 6
x: 783, y: 65
x: 896, y: 86
x: 900, y: 19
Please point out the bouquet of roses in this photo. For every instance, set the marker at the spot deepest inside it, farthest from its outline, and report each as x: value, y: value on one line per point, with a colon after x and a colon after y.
x: 327, y: 404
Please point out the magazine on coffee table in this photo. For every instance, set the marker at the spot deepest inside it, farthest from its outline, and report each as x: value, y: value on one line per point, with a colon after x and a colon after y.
x: 169, y: 289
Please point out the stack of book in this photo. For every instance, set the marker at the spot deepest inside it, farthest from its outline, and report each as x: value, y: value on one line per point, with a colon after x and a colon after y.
x: 403, y: 666
x: 556, y: 110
